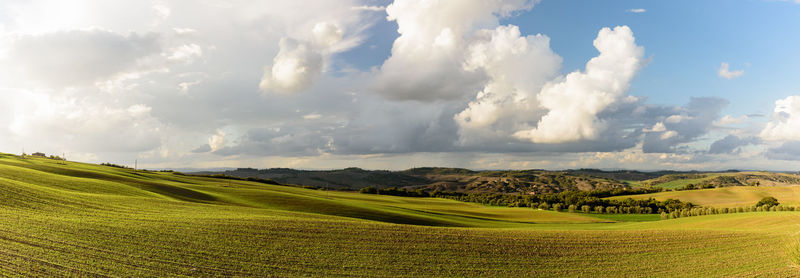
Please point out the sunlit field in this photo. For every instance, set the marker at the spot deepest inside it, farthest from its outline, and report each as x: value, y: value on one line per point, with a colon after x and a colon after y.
x: 65, y: 218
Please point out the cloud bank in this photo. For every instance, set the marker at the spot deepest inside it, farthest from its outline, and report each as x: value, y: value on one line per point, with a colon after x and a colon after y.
x: 180, y: 83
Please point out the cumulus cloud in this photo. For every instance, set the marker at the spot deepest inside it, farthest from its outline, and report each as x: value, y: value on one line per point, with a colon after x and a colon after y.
x: 326, y: 34
x: 182, y: 88
x: 785, y: 123
x: 725, y: 72
x: 217, y: 141
x: 637, y: 11
x: 293, y: 69
x: 517, y: 67
x: 434, y: 37
x: 574, y: 102
x: 74, y: 58
x: 299, y: 63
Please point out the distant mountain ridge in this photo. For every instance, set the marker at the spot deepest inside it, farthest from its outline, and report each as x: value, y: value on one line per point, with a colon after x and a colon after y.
x: 510, y: 181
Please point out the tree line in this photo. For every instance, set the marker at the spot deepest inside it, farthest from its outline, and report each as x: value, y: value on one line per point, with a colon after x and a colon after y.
x: 572, y: 201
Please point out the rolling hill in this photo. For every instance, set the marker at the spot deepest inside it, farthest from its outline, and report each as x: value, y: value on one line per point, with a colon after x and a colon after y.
x: 432, y: 179
x: 73, y: 219
x: 739, y: 196
x: 722, y: 179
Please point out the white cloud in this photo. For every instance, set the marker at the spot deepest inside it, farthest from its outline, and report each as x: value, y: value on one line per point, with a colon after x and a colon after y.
x: 185, y: 86
x: 185, y: 31
x: 185, y: 53
x: 298, y: 63
x: 637, y: 11
x: 725, y: 72
x: 517, y: 67
x: 293, y: 69
x: 673, y: 119
x: 731, y: 120
x: 326, y: 34
x: 81, y: 124
x: 217, y: 141
x: 658, y: 127
x: 668, y: 134
x: 190, y: 98
x: 575, y: 101
x: 162, y: 9
x: 312, y: 116
x: 785, y: 123
x: 434, y: 36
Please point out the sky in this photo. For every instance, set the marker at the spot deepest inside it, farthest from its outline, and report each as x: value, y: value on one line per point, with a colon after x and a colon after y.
x: 382, y: 84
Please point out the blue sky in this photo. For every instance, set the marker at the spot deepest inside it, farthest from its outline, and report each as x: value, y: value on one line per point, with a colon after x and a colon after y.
x: 687, y: 40
x: 391, y: 84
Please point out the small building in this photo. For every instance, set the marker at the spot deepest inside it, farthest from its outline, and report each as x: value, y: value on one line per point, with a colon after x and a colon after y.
x: 38, y: 154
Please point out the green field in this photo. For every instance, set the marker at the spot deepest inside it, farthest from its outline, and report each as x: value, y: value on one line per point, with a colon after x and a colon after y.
x: 73, y: 219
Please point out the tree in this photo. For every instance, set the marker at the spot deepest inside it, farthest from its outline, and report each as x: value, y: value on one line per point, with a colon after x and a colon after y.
x: 664, y: 216
x: 572, y: 208
x: 544, y: 206
x: 598, y: 209
x: 768, y: 201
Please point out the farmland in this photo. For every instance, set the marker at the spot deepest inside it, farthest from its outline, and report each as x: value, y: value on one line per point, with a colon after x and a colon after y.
x: 736, y: 196
x: 72, y: 219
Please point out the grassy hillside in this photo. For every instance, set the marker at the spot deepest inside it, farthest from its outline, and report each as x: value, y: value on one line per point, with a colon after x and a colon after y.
x: 722, y: 179
x: 738, y: 196
x: 73, y: 219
